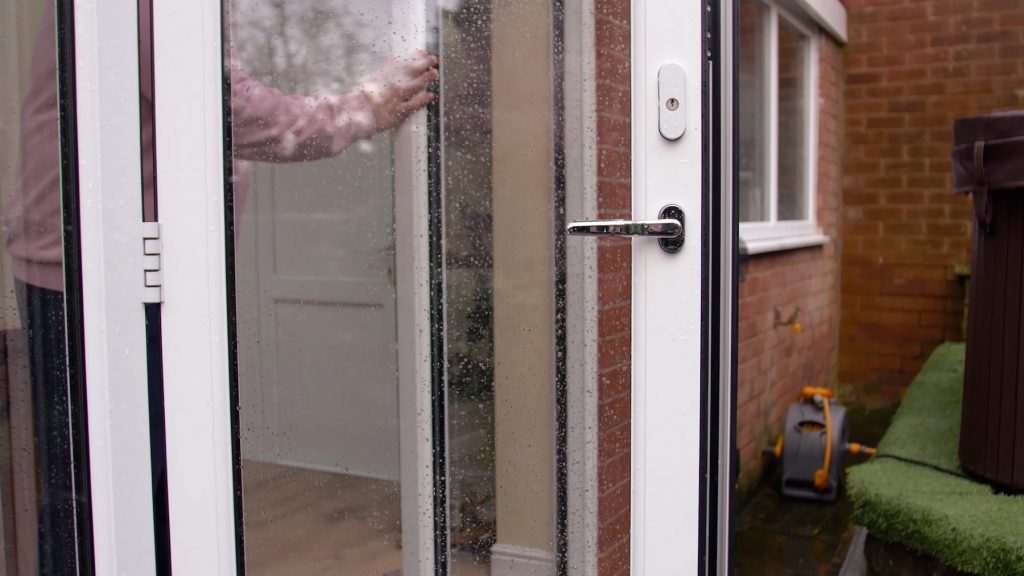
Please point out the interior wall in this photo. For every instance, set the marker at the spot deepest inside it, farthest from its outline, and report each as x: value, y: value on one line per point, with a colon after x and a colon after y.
x: 523, y: 210
x: 468, y: 290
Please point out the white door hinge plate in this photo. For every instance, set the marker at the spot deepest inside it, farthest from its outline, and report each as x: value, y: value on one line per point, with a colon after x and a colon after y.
x: 152, y: 273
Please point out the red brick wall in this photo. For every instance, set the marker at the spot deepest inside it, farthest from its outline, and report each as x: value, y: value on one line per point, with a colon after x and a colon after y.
x: 913, y: 66
x: 774, y: 361
x: 614, y: 199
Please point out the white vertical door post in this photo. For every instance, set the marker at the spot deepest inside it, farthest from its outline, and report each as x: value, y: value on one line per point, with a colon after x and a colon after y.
x: 727, y: 234
x: 667, y: 298
x: 412, y: 292
x: 188, y: 69
x: 110, y: 212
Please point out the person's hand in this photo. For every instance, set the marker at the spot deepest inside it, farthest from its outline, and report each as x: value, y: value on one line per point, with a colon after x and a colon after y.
x: 397, y: 89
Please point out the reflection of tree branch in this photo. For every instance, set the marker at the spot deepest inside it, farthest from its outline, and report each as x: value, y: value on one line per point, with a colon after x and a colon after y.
x: 305, y: 46
x: 349, y: 38
x: 287, y: 66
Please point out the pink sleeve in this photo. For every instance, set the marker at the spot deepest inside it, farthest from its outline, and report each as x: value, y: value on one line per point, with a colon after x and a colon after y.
x: 269, y: 126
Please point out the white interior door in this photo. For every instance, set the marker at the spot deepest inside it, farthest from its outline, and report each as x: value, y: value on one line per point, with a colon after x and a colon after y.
x: 299, y: 282
x: 312, y: 260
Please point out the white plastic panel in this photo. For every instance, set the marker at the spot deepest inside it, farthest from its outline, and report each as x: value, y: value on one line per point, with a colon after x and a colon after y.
x: 188, y: 73
x: 667, y: 337
x: 109, y: 169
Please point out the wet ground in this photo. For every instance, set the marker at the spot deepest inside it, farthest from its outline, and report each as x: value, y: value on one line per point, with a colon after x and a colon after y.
x: 782, y: 537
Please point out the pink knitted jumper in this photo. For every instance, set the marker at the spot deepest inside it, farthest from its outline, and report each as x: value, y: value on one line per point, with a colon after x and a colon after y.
x: 268, y: 126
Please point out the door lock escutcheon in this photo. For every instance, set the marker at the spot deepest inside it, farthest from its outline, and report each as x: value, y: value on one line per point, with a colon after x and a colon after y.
x: 671, y: 101
x: 669, y: 228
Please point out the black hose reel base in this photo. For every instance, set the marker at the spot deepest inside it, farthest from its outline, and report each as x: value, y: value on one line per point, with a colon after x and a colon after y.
x: 803, y: 451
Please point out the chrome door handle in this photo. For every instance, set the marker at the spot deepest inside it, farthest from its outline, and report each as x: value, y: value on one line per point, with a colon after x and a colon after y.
x: 669, y: 228
x: 663, y: 228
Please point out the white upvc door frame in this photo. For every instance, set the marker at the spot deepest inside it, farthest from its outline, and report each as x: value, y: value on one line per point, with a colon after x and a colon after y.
x: 106, y: 56
x: 413, y: 24
x: 188, y: 94
x: 672, y: 451
x: 669, y: 525
x: 727, y: 318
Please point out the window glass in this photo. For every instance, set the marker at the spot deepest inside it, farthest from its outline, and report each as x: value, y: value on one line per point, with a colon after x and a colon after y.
x: 753, y: 112
x: 37, y: 490
x: 469, y: 287
x: 315, y: 283
x: 328, y: 105
x: 501, y: 308
x: 792, y: 132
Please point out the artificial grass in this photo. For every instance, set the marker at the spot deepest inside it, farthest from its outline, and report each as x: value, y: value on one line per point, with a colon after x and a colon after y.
x: 959, y: 521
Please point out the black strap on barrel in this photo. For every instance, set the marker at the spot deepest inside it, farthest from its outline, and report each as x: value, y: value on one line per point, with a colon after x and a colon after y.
x: 982, y: 208
x: 983, y: 166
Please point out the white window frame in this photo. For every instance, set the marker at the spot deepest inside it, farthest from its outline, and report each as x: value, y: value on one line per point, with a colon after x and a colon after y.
x: 775, y: 235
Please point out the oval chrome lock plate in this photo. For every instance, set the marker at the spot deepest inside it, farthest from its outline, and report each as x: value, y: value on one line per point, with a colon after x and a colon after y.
x: 671, y: 101
x: 673, y: 245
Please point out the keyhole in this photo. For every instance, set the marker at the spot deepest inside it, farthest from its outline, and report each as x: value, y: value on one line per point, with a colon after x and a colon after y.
x: 672, y: 104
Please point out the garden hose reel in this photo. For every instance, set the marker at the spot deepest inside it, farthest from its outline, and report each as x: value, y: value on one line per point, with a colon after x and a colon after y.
x: 813, y: 447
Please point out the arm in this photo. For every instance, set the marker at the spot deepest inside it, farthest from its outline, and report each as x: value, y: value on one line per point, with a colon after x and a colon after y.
x: 270, y: 126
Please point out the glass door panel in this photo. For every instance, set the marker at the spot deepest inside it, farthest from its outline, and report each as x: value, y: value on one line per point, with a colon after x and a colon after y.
x: 35, y: 431
x: 317, y: 172
x: 498, y: 106
x: 315, y: 286
x: 43, y: 493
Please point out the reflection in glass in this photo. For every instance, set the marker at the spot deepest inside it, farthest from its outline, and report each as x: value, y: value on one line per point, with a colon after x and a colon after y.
x: 498, y: 156
x: 792, y: 122
x: 469, y: 273
x: 37, y: 500
x: 753, y: 111
x: 316, y: 87
x: 316, y: 294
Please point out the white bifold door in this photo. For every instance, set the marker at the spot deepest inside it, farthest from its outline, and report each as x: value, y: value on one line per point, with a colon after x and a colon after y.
x: 387, y: 333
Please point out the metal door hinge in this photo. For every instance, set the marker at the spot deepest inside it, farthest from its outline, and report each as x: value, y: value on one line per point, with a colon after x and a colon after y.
x: 152, y: 272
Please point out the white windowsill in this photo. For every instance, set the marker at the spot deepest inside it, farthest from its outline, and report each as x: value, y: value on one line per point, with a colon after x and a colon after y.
x: 760, y: 238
